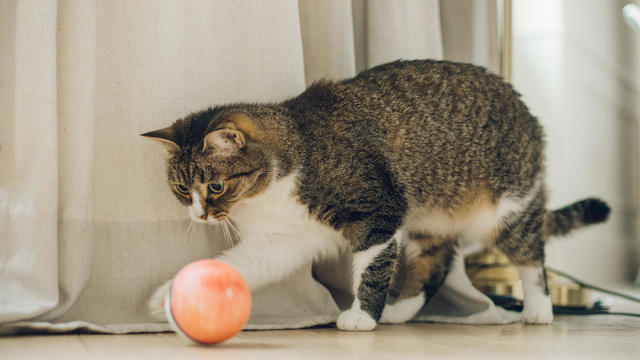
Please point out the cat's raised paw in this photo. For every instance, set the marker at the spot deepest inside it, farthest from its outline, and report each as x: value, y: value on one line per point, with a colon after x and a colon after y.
x: 156, y: 302
x: 537, y: 316
x: 355, y: 320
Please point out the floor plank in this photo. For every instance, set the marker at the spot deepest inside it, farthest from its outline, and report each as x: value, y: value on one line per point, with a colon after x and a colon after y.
x: 610, y: 337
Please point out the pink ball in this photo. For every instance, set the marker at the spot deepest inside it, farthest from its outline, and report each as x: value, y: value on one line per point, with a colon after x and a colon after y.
x: 209, y: 302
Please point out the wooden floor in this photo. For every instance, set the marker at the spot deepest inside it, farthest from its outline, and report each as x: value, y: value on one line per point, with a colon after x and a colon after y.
x: 570, y: 337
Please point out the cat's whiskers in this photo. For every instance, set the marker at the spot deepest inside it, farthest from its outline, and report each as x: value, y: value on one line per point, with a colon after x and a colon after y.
x: 241, y: 223
x: 224, y: 233
x: 234, y: 228
x: 227, y: 235
x: 189, y: 230
x: 231, y: 236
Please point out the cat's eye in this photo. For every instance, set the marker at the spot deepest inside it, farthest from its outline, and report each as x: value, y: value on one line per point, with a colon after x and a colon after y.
x: 182, y: 189
x: 216, y: 188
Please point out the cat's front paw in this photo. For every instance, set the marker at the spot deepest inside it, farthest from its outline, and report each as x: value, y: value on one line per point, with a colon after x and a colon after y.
x: 156, y: 302
x: 355, y: 320
x: 537, y: 315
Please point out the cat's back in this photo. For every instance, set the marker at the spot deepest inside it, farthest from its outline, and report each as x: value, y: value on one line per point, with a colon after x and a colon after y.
x: 432, y: 122
x: 438, y: 90
x: 434, y: 101
x: 406, y: 74
x: 419, y: 93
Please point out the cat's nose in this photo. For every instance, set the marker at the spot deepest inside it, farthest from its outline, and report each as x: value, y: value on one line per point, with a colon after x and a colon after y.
x: 203, y: 217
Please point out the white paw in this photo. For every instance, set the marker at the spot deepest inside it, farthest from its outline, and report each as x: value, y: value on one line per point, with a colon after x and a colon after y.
x: 403, y: 310
x: 537, y: 303
x: 539, y: 315
x: 355, y: 320
x: 156, y: 302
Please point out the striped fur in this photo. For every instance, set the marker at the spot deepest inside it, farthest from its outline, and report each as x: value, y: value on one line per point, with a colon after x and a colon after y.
x: 584, y: 212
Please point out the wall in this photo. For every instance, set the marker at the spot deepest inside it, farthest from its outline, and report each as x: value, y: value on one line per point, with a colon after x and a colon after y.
x: 575, y: 64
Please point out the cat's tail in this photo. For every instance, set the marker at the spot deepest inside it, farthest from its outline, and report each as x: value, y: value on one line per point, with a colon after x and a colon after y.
x: 584, y: 212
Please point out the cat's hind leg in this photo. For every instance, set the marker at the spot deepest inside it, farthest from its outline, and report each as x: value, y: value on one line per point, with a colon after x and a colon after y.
x: 427, y: 260
x: 537, y: 303
x: 522, y: 241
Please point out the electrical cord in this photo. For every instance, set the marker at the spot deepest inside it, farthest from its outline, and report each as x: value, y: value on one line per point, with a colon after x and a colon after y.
x: 511, y: 303
x: 593, y: 287
x: 573, y: 311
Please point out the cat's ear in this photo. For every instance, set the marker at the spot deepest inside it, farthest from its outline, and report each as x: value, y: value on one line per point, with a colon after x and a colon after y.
x: 166, y: 136
x: 224, y: 141
x: 231, y: 135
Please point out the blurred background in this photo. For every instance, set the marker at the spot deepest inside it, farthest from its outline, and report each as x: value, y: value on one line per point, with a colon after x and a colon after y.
x: 576, y: 62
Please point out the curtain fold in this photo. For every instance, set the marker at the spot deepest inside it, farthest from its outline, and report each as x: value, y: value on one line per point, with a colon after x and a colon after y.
x: 470, y: 32
x: 326, y: 27
x: 76, y: 112
x: 29, y: 239
x: 407, y: 29
x: 88, y: 227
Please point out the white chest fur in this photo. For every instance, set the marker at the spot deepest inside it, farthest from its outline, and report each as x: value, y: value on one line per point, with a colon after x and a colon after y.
x: 276, y: 215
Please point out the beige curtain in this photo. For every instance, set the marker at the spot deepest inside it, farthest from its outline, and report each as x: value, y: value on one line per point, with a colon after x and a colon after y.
x: 88, y: 227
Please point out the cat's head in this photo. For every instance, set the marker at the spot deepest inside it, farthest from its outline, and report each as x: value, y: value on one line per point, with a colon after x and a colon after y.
x: 215, y: 160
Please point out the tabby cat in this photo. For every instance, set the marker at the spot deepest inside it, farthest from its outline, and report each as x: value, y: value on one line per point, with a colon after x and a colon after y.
x: 405, y: 159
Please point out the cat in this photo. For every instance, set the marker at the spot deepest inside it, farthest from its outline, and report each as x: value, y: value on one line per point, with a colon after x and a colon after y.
x: 405, y: 159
